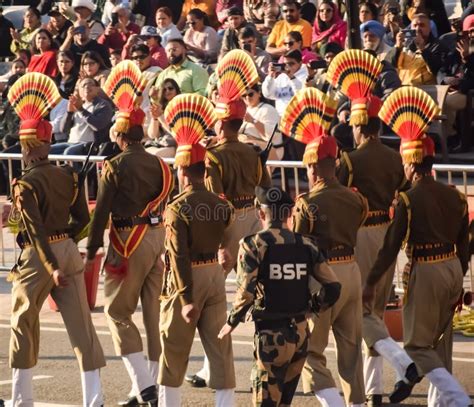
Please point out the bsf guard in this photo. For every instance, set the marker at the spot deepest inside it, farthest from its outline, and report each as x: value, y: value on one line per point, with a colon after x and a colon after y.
x: 50, y: 210
x: 277, y: 264
x: 194, y: 291
x: 432, y: 219
x: 133, y: 189
x: 377, y: 173
x: 332, y: 214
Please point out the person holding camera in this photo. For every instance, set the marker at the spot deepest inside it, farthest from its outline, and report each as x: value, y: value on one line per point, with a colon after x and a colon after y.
x: 418, y: 55
x: 248, y: 42
x: 392, y: 21
x: 277, y: 263
x: 119, y: 30
x: 293, y: 41
x: 458, y: 73
x: 284, y: 80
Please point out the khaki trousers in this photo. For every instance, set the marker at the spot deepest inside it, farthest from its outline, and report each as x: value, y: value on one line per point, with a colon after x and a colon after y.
x: 177, y: 336
x: 345, y: 318
x: 369, y: 242
x: 143, y: 281
x: 31, y: 286
x: 433, y: 290
x: 246, y: 222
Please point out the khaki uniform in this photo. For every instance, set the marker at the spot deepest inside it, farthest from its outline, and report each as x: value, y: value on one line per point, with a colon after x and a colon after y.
x: 281, y: 337
x: 129, y: 182
x: 433, y: 218
x: 332, y: 214
x: 234, y: 169
x: 51, y: 210
x: 377, y: 172
x: 195, y: 224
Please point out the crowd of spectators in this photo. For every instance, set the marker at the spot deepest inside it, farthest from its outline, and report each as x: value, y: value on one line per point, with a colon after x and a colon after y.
x: 176, y: 45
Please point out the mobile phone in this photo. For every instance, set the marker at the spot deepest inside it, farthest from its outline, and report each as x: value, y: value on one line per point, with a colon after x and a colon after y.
x: 409, y: 34
x: 278, y: 67
x: 321, y: 64
x: 460, y: 35
x: 248, y: 47
x: 115, y: 19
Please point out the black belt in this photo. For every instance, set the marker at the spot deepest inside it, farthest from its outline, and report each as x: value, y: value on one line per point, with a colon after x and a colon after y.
x: 23, y: 240
x: 340, y: 254
x: 375, y: 218
x: 433, y: 252
x: 203, y: 258
x: 243, y: 202
x: 128, y: 223
x: 278, y: 323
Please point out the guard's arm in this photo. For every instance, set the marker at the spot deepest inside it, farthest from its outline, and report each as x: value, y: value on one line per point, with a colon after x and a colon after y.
x: 391, y: 245
x: 303, y: 219
x: 177, y: 246
x: 462, y: 242
x: 105, y: 197
x: 26, y: 201
x: 213, y: 180
x: 247, y: 272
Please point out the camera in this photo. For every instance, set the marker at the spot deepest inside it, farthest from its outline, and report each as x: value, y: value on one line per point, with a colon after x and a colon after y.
x: 278, y: 67
x: 317, y: 64
x: 115, y: 19
x: 409, y: 34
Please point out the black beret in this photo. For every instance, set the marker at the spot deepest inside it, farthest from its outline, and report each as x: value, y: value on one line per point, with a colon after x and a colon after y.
x: 273, y: 197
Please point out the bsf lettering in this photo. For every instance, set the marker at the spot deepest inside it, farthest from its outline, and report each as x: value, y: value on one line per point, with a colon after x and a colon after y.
x: 288, y: 272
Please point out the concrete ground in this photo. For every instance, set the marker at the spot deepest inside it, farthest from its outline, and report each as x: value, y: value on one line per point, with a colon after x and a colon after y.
x: 57, y: 380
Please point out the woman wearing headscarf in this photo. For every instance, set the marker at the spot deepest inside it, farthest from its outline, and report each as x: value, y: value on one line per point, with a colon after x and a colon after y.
x: 328, y: 26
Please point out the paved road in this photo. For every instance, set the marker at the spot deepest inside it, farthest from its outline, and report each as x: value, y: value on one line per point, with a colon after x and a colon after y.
x: 57, y: 378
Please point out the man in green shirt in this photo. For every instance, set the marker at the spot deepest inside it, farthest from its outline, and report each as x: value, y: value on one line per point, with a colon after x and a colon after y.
x: 190, y: 77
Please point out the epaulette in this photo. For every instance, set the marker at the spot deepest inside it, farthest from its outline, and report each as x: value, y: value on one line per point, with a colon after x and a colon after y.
x: 211, y: 157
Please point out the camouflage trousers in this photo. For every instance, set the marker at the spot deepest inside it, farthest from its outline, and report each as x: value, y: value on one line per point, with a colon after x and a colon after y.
x: 280, y: 354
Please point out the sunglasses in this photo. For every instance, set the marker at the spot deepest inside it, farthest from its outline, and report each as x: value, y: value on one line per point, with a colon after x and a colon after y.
x: 289, y: 43
x: 168, y: 88
x: 249, y: 94
x: 139, y: 57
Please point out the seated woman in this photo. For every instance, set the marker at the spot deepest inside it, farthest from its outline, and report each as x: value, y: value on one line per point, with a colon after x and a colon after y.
x: 201, y: 40
x: 259, y: 123
x: 294, y: 40
x: 31, y: 24
x: 368, y: 11
x: 43, y: 54
x: 328, y: 26
x: 93, y: 66
x: 162, y: 143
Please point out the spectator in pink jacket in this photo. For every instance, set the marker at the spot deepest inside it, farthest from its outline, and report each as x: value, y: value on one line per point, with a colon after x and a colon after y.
x: 328, y: 26
x: 151, y: 38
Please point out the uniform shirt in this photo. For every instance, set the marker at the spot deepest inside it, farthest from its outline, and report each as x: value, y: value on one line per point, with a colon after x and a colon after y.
x: 46, y: 196
x: 438, y: 215
x: 195, y: 224
x: 235, y: 169
x: 283, y: 27
x: 331, y: 213
x: 375, y: 170
x: 251, y: 253
x: 190, y: 77
x: 129, y: 181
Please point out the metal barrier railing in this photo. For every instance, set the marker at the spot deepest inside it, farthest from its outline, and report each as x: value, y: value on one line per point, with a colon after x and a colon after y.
x: 289, y: 177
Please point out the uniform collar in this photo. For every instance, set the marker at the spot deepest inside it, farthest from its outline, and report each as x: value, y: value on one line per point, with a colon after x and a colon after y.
x: 36, y: 164
x: 197, y: 186
x: 369, y: 141
x: 135, y: 147
x: 324, y: 183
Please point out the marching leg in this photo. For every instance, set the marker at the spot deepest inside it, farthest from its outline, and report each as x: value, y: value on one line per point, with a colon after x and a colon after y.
x: 22, y: 387
x: 91, y: 388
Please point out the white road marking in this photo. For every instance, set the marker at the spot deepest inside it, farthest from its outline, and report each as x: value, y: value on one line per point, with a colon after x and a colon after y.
x: 197, y: 339
x: 39, y: 377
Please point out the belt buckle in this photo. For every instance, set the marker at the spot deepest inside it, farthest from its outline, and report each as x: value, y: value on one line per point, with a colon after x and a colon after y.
x: 154, y: 219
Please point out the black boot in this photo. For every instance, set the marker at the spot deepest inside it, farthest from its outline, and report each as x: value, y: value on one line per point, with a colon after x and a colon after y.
x: 195, y: 380
x: 374, y: 400
x: 147, y: 397
x: 403, y: 388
